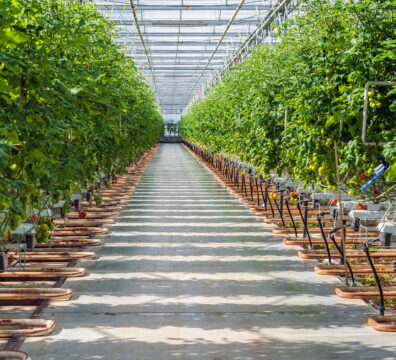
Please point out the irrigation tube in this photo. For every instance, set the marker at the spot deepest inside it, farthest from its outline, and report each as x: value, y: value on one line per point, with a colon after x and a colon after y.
x: 218, y: 44
x: 144, y: 46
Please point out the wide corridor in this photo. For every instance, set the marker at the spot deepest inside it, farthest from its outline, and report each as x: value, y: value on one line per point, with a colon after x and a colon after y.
x: 189, y: 273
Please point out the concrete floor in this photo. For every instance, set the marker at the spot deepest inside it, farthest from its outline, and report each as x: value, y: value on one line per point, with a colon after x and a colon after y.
x: 188, y: 273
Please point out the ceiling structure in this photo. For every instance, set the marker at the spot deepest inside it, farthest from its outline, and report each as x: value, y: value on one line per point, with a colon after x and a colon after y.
x: 188, y: 42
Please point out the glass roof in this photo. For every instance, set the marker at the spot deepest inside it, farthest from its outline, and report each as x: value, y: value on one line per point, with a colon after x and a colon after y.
x: 180, y: 37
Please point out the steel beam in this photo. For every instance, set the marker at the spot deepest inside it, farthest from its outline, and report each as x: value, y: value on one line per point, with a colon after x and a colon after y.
x: 177, y: 43
x: 171, y: 98
x: 171, y: 75
x: 168, y: 94
x: 178, y: 105
x: 120, y: 6
x: 256, y: 37
x: 173, y: 79
x: 183, y: 61
x: 164, y: 91
x: 168, y: 34
x: 185, y: 23
x: 178, y: 68
x: 177, y: 80
x: 172, y: 51
x: 185, y: 75
x: 174, y: 83
x: 179, y: 86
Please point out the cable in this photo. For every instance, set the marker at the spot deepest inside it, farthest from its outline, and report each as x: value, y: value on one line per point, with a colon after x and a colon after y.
x: 217, y: 46
x: 267, y: 21
x: 145, y: 49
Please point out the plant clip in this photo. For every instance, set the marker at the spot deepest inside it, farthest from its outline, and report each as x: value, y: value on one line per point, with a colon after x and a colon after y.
x: 378, y: 171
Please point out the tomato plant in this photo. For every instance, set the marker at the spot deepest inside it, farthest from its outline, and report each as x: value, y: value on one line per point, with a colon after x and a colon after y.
x: 72, y: 105
x: 316, y: 76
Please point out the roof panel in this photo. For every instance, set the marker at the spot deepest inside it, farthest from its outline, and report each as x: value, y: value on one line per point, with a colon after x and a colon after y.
x: 180, y: 36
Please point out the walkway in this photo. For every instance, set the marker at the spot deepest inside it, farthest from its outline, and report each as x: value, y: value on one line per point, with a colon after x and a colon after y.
x: 188, y: 273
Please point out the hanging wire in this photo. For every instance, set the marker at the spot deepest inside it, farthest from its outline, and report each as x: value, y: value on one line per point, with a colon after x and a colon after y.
x: 217, y: 46
x: 145, y: 49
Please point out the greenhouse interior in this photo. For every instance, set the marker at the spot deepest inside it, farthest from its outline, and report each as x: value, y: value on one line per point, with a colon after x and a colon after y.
x: 198, y: 179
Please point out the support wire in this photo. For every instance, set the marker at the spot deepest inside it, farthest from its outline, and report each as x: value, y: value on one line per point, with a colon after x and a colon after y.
x: 145, y: 49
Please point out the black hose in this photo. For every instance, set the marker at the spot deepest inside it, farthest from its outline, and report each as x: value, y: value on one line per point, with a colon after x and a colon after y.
x: 319, y: 217
x: 251, y: 187
x: 291, y: 217
x: 257, y: 192
x: 304, y: 220
x: 280, y: 212
x: 332, y: 238
x: 377, y: 280
x: 269, y: 200
x: 262, y: 195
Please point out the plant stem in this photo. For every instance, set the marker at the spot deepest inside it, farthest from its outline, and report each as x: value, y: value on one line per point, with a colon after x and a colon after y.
x: 341, y: 213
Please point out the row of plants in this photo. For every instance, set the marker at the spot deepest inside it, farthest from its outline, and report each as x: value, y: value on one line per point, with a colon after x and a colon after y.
x: 72, y: 104
x: 314, y: 81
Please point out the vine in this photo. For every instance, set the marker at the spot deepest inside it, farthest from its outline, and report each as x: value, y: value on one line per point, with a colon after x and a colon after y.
x: 72, y: 105
x: 317, y: 75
